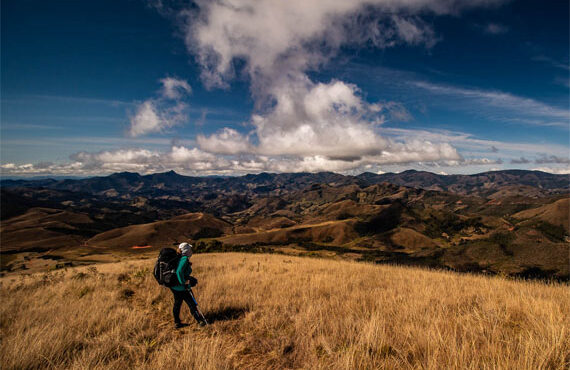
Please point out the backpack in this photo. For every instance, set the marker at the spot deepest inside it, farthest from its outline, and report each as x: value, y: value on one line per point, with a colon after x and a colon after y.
x: 165, y: 267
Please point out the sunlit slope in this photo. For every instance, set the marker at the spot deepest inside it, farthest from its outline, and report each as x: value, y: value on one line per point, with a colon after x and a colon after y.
x: 272, y: 311
x: 556, y: 213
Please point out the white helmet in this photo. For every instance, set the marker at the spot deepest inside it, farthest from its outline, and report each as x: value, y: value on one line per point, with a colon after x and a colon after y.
x: 185, y: 249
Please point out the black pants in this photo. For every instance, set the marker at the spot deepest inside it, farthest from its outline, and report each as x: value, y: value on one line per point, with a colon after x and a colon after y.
x: 180, y: 296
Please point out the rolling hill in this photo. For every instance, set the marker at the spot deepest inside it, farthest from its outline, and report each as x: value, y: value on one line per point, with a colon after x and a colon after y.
x: 161, y: 233
x: 45, y: 229
x: 483, y: 223
x: 556, y: 213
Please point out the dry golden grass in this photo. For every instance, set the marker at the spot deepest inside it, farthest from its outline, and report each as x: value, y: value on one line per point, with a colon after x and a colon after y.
x: 272, y: 311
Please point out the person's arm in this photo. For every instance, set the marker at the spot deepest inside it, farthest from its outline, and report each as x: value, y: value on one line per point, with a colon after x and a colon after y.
x: 180, y: 270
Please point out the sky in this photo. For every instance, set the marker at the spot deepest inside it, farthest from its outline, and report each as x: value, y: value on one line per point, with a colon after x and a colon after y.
x: 231, y: 87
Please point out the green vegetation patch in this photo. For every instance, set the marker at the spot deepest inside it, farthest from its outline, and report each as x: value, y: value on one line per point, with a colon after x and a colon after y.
x: 449, y: 223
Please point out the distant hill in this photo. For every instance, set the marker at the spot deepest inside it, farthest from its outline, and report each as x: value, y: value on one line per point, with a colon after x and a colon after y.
x: 511, y: 222
x: 128, y: 185
x: 483, y: 184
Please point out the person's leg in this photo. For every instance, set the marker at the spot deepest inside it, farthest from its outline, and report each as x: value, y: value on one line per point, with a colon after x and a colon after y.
x: 178, y: 298
x: 193, y: 309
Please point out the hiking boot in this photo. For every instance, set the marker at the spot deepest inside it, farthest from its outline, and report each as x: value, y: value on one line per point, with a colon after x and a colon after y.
x: 179, y: 325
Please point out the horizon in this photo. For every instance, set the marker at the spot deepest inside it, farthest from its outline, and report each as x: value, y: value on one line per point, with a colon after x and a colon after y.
x: 209, y: 89
x: 63, y: 177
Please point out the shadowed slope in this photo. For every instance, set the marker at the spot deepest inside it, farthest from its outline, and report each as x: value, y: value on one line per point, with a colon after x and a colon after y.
x: 162, y: 233
x: 45, y: 228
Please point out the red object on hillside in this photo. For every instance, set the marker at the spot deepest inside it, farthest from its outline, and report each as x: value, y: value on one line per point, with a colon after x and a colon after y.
x: 141, y: 246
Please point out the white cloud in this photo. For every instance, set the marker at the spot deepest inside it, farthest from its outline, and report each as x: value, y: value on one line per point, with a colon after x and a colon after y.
x: 315, y: 121
x: 468, y: 142
x: 145, y: 120
x: 298, y: 124
x: 464, y: 162
x: 194, y: 161
x: 397, y: 112
x: 554, y: 170
x: 512, y: 106
x: 161, y: 113
x: 111, y: 161
x: 155, y: 116
x: 227, y: 141
x: 273, y: 37
x: 173, y: 88
x: 415, y: 148
x: 414, y: 31
x: 318, y: 119
x: 278, y: 42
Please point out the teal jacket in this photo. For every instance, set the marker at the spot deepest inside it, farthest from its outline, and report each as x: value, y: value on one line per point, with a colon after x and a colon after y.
x: 183, y: 273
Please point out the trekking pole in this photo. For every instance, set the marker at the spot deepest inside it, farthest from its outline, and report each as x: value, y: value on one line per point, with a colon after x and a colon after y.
x: 196, y: 303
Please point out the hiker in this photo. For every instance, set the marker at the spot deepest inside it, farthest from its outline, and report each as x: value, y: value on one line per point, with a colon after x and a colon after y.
x: 182, y: 291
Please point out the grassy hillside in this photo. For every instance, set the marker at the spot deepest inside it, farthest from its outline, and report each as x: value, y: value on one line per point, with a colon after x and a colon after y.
x: 272, y: 311
x: 557, y: 213
x: 44, y: 228
x: 188, y: 226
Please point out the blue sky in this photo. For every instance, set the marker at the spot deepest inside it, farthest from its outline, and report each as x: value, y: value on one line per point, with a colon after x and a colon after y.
x: 90, y: 88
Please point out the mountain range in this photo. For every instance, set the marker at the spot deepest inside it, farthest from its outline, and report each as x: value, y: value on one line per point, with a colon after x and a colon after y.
x: 512, y: 222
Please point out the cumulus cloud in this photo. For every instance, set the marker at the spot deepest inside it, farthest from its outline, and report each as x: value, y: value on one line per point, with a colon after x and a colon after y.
x: 318, y: 119
x: 298, y: 123
x: 226, y: 141
x: 275, y: 44
x: 165, y: 111
x: 195, y: 161
x: 198, y: 162
x: 322, y: 120
x: 296, y: 35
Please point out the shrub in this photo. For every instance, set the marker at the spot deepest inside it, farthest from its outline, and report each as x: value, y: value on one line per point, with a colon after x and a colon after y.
x: 126, y: 294
x: 205, y: 246
x: 208, y: 232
